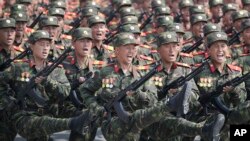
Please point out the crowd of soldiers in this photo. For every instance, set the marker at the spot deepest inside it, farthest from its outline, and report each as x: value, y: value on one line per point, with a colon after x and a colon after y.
x: 64, y: 65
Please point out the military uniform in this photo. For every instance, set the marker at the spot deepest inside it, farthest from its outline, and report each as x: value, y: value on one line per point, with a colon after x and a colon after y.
x: 7, y: 105
x: 107, y: 83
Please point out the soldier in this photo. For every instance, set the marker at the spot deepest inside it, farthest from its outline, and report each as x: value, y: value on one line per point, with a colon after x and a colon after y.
x: 51, y: 25
x: 184, y: 6
x: 78, y: 65
x: 59, y: 14
x: 21, y: 23
x: 246, y: 5
x: 7, y: 108
x: 40, y: 120
x: 216, y: 10
x: 211, y: 76
x: 228, y: 9
x: 100, y: 51
x: 86, y: 13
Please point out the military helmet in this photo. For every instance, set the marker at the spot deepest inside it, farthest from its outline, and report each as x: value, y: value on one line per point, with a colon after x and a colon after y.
x: 240, y: 14
x: 197, y: 9
x: 123, y: 3
x: 56, y: 12
x: 132, y: 28
x: 89, y: 11
x: 124, y: 38
x: 210, y: 27
x: 93, y: 4
x: 186, y: 3
x: 19, y: 16
x: 213, y: 3
x: 24, y: 1
x: 214, y: 37
x: 167, y: 37
x: 127, y: 11
x: 176, y: 27
x: 129, y: 20
x: 157, y: 3
x: 164, y: 21
x: 230, y: 7
x: 198, y: 18
x: 19, y: 7
x: 7, y: 22
x: 95, y: 19
x: 37, y: 35
x: 162, y: 10
x: 82, y: 33
x: 58, y: 4
x: 245, y: 24
x: 48, y: 21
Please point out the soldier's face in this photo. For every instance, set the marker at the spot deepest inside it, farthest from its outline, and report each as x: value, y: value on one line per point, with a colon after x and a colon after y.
x: 216, y: 11
x: 125, y: 54
x: 227, y: 19
x: 197, y: 28
x: 82, y: 47
x: 99, y: 31
x: 237, y: 24
x: 20, y: 27
x: 41, y: 48
x: 7, y: 36
x: 185, y: 14
x: 53, y: 31
x: 168, y: 52
x: 246, y: 36
x: 218, y: 52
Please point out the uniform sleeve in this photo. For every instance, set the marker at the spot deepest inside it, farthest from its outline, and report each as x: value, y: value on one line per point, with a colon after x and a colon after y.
x: 238, y: 95
x: 88, y: 90
x: 58, y: 84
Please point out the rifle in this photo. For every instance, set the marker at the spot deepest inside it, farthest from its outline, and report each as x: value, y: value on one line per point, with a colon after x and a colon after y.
x: 116, y: 102
x: 234, y: 38
x: 146, y: 22
x: 181, y: 80
x: 213, y: 96
x: 7, y: 63
x: 73, y: 96
x: 193, y: 47
x: 75, y: 24
x: 37, y: 19
x: 29, y: 89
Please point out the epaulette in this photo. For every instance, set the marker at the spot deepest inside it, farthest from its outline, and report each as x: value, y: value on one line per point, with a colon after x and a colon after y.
x: 29, y: 30
x: 235, y: 68
x: 186, y: 55
x: 16, y: 48
x: 97, y: 62
x: 148, y: 32
x: 242, y: 55
x: 59, y: 47
x: 111, y: 48
x: 67, y: 27
x: 153, y: 51
x: 145, y: 46
x: 142, y: 67
x: 64, y: 36
x: 21, y: 60
x: 198, y: 53
x: 72, y: 14
x: 146, y: 58
x: 188, y: 41
x: 237, y: 45
x: 182, y: 64
x: 60, y: 65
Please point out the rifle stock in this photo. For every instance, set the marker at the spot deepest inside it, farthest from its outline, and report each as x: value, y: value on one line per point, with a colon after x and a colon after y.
x: 29, y: 89
x: 146, y: 22
x: 37, y: 19
x: 115, y: 102
x: 7, y: 63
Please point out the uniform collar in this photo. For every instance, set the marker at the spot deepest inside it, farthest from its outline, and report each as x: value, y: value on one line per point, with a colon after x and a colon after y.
x: 132, y: 70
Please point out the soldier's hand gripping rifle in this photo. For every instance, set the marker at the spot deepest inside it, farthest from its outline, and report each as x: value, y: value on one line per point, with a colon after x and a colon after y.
x: 147, y: 21
x: 73, y: 96
x: 29, y: 89
x: 116, y: 102
x: 193, y: 47
x: 8, y: 62
x: 181, y: 80
x: 214, y: 96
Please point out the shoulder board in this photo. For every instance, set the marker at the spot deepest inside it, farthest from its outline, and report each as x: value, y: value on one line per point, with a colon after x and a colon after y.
x: 146, y: 58
x: 145, y: 46
x: 242, y: 55
x: 237, y: 45
x: 59, y: 47
x: 153, y: 51
x: 235, y: 68
x: 29, y: 30
x: 182, y: 64
x: 97, y: 62
x: 18, y: 48
x: 186, y: 55
x: 21, y: 60
x: 68, y: 17
x: 198, y: 53
x: 111, y: 48
x: 71, y: 14
x: 142, y: 67
x: 188, y: 41
x: 64, y: 36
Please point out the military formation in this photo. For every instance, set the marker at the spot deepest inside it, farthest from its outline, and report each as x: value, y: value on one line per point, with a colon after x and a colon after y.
x: 137, y: 70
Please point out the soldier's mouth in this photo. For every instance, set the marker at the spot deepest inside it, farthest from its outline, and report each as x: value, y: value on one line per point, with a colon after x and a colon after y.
x: 220, y: 56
